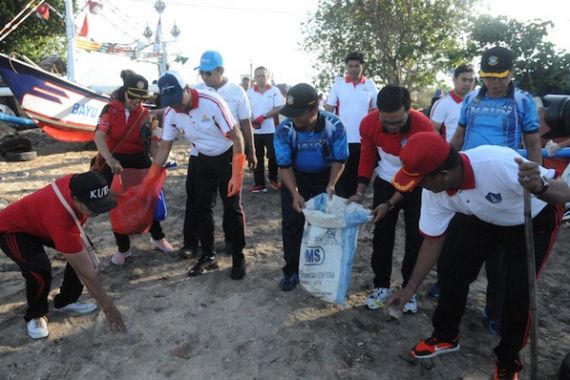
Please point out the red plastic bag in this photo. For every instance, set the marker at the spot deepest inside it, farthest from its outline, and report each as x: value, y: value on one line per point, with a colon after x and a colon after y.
x: 136, y: 195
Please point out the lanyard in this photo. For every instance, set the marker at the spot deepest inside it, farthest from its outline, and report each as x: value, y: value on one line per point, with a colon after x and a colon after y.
x: 86, y: 241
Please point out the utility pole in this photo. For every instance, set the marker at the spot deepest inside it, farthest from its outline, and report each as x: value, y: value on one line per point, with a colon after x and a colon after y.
x: 70, y: 32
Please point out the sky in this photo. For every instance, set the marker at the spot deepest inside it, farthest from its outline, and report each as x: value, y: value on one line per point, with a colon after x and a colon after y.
x: 247, y: 33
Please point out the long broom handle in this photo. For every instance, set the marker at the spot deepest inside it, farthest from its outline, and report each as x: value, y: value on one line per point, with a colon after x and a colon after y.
x: 530, y: 260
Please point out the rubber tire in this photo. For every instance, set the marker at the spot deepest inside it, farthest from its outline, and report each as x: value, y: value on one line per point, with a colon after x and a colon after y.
x: 21, y: 156
x: 15, y: 144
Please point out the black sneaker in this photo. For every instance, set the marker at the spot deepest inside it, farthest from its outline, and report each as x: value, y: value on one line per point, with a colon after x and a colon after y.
x: 238, y: 269
x: 204, y: 263
x: 289, y: 282
x: 507, y: 372
x: 189, y: 252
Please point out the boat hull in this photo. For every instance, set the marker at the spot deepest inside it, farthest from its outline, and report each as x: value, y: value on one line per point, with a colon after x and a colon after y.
x: 62, y: 109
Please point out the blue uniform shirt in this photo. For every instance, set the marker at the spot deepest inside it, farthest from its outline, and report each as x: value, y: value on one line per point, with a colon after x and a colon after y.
x: 314, y: 151
x: 498, y: 121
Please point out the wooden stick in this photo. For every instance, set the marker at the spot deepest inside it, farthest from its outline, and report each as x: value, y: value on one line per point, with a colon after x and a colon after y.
x: 531, y: 265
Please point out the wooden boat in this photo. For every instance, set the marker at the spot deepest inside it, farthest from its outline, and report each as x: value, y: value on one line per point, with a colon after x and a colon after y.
x: 62, y: 109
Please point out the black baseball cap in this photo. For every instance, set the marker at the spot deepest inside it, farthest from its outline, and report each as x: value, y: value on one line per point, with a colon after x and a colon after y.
x: 496, y: 62
x: 136, y: 86
x: 92, y: 190
x: 299, y: 98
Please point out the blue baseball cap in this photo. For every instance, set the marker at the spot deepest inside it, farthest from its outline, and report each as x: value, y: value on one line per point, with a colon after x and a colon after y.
x: 171, y: 87
x: 210, y: 60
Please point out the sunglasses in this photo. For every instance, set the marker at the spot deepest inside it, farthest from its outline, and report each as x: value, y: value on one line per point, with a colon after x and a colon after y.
x: 208, y: 73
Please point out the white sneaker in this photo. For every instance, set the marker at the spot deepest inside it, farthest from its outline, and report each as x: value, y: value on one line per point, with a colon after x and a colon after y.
x: 78, y: 308
x: 38, y: 328
x: 411, y: 307
x: 377, y: 298
x: 119, y: 257
x: 162, y: 244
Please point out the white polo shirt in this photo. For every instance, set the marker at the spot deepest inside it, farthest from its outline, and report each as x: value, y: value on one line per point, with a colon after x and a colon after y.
x: 205, y: 126
x: 263, y: 103
x: 235, y: 97
x: 494, y: 194
x: 446, y: 111
x: 352, y: 102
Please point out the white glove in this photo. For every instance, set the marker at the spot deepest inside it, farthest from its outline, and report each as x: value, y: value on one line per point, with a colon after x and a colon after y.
x: 551, y: 147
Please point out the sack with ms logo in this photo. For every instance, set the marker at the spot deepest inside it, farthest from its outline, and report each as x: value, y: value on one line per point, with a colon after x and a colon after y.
x: 328, y: 246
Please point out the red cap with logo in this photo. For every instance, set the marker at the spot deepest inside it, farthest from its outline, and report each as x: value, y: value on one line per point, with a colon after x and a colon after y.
x: 423, y: 153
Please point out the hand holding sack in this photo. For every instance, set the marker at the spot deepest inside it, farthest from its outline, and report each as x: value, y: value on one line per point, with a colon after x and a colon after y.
x: 137, y: 192
x: 551, y: 147
x: 235, y: 183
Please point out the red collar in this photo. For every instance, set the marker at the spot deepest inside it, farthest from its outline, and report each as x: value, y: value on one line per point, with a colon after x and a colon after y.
x: 468, y: 176
x: 458, y: 99
x: 348, y: 79
x: 256, y: 88
x: 195, y: 99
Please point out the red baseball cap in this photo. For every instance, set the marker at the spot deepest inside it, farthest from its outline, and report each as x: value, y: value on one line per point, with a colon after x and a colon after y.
x: 423, y: 153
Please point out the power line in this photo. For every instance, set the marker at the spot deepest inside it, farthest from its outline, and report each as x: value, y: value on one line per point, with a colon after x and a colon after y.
x: 225, y: 8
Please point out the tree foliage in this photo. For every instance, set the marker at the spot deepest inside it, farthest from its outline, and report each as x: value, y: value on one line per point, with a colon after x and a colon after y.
x: 406, y: 42
x: 539, y: 67
x: 35, y: 37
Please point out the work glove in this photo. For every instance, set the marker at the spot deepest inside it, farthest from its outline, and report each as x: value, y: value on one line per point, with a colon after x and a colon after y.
x: 235, y: 183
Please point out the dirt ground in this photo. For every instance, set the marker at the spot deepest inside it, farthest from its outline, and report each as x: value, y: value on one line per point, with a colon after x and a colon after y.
x: 212, y: 327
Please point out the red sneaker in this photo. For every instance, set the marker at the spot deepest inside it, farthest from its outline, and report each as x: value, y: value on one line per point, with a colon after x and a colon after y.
x: 276, y: 184
x: 258, y: 189
x: 431, y: 347
x: 507, y: 372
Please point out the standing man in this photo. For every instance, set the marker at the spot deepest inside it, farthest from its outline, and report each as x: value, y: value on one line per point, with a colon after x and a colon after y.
x: 385, y: 132
x: 266, y: 101
x: 212, y: 73
x: 311, y: 149
x: 52, y: 216
x: 445, y: 112
x: 498, y: 114
x: 353, y: 97
x: 245, y: 84
x: 207, y: 123
x: 479, y: 189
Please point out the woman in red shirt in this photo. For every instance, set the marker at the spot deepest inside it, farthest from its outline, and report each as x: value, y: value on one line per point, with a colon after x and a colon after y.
x: 122, y: 138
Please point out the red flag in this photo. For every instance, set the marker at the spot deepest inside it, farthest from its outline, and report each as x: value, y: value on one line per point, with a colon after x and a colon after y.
x: 84, y: 28
x: 43, y: 11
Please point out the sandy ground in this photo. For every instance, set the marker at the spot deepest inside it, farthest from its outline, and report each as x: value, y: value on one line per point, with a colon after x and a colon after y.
x: 211, y: 327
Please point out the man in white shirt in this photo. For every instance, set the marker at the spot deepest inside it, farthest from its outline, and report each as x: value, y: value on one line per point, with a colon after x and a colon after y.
x: 353, y: 97
x: 479, y: 189
x: 266, y: 101
x: 211, y: 70
x: 208, y: 125
x: 445, y: 112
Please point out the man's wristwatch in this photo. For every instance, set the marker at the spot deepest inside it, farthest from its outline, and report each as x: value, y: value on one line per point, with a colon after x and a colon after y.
x: 545, y: 186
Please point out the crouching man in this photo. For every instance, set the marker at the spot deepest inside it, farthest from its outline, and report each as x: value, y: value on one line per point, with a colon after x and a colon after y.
x: 52, y: 216
x: 472, y: 204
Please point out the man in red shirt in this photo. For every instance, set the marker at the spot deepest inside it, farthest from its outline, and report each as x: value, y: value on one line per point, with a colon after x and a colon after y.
x: 52, y: 216
x: 383, y: 134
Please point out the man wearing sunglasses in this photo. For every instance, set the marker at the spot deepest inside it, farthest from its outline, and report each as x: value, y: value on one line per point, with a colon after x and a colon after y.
x: 211, y: 70
x: 384, y: 132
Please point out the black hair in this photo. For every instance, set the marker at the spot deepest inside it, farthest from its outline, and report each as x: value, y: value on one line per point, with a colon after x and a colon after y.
x: 391, y: 98
x: 261, y: 68
x: 463, y: 69
x: 355, y: 56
